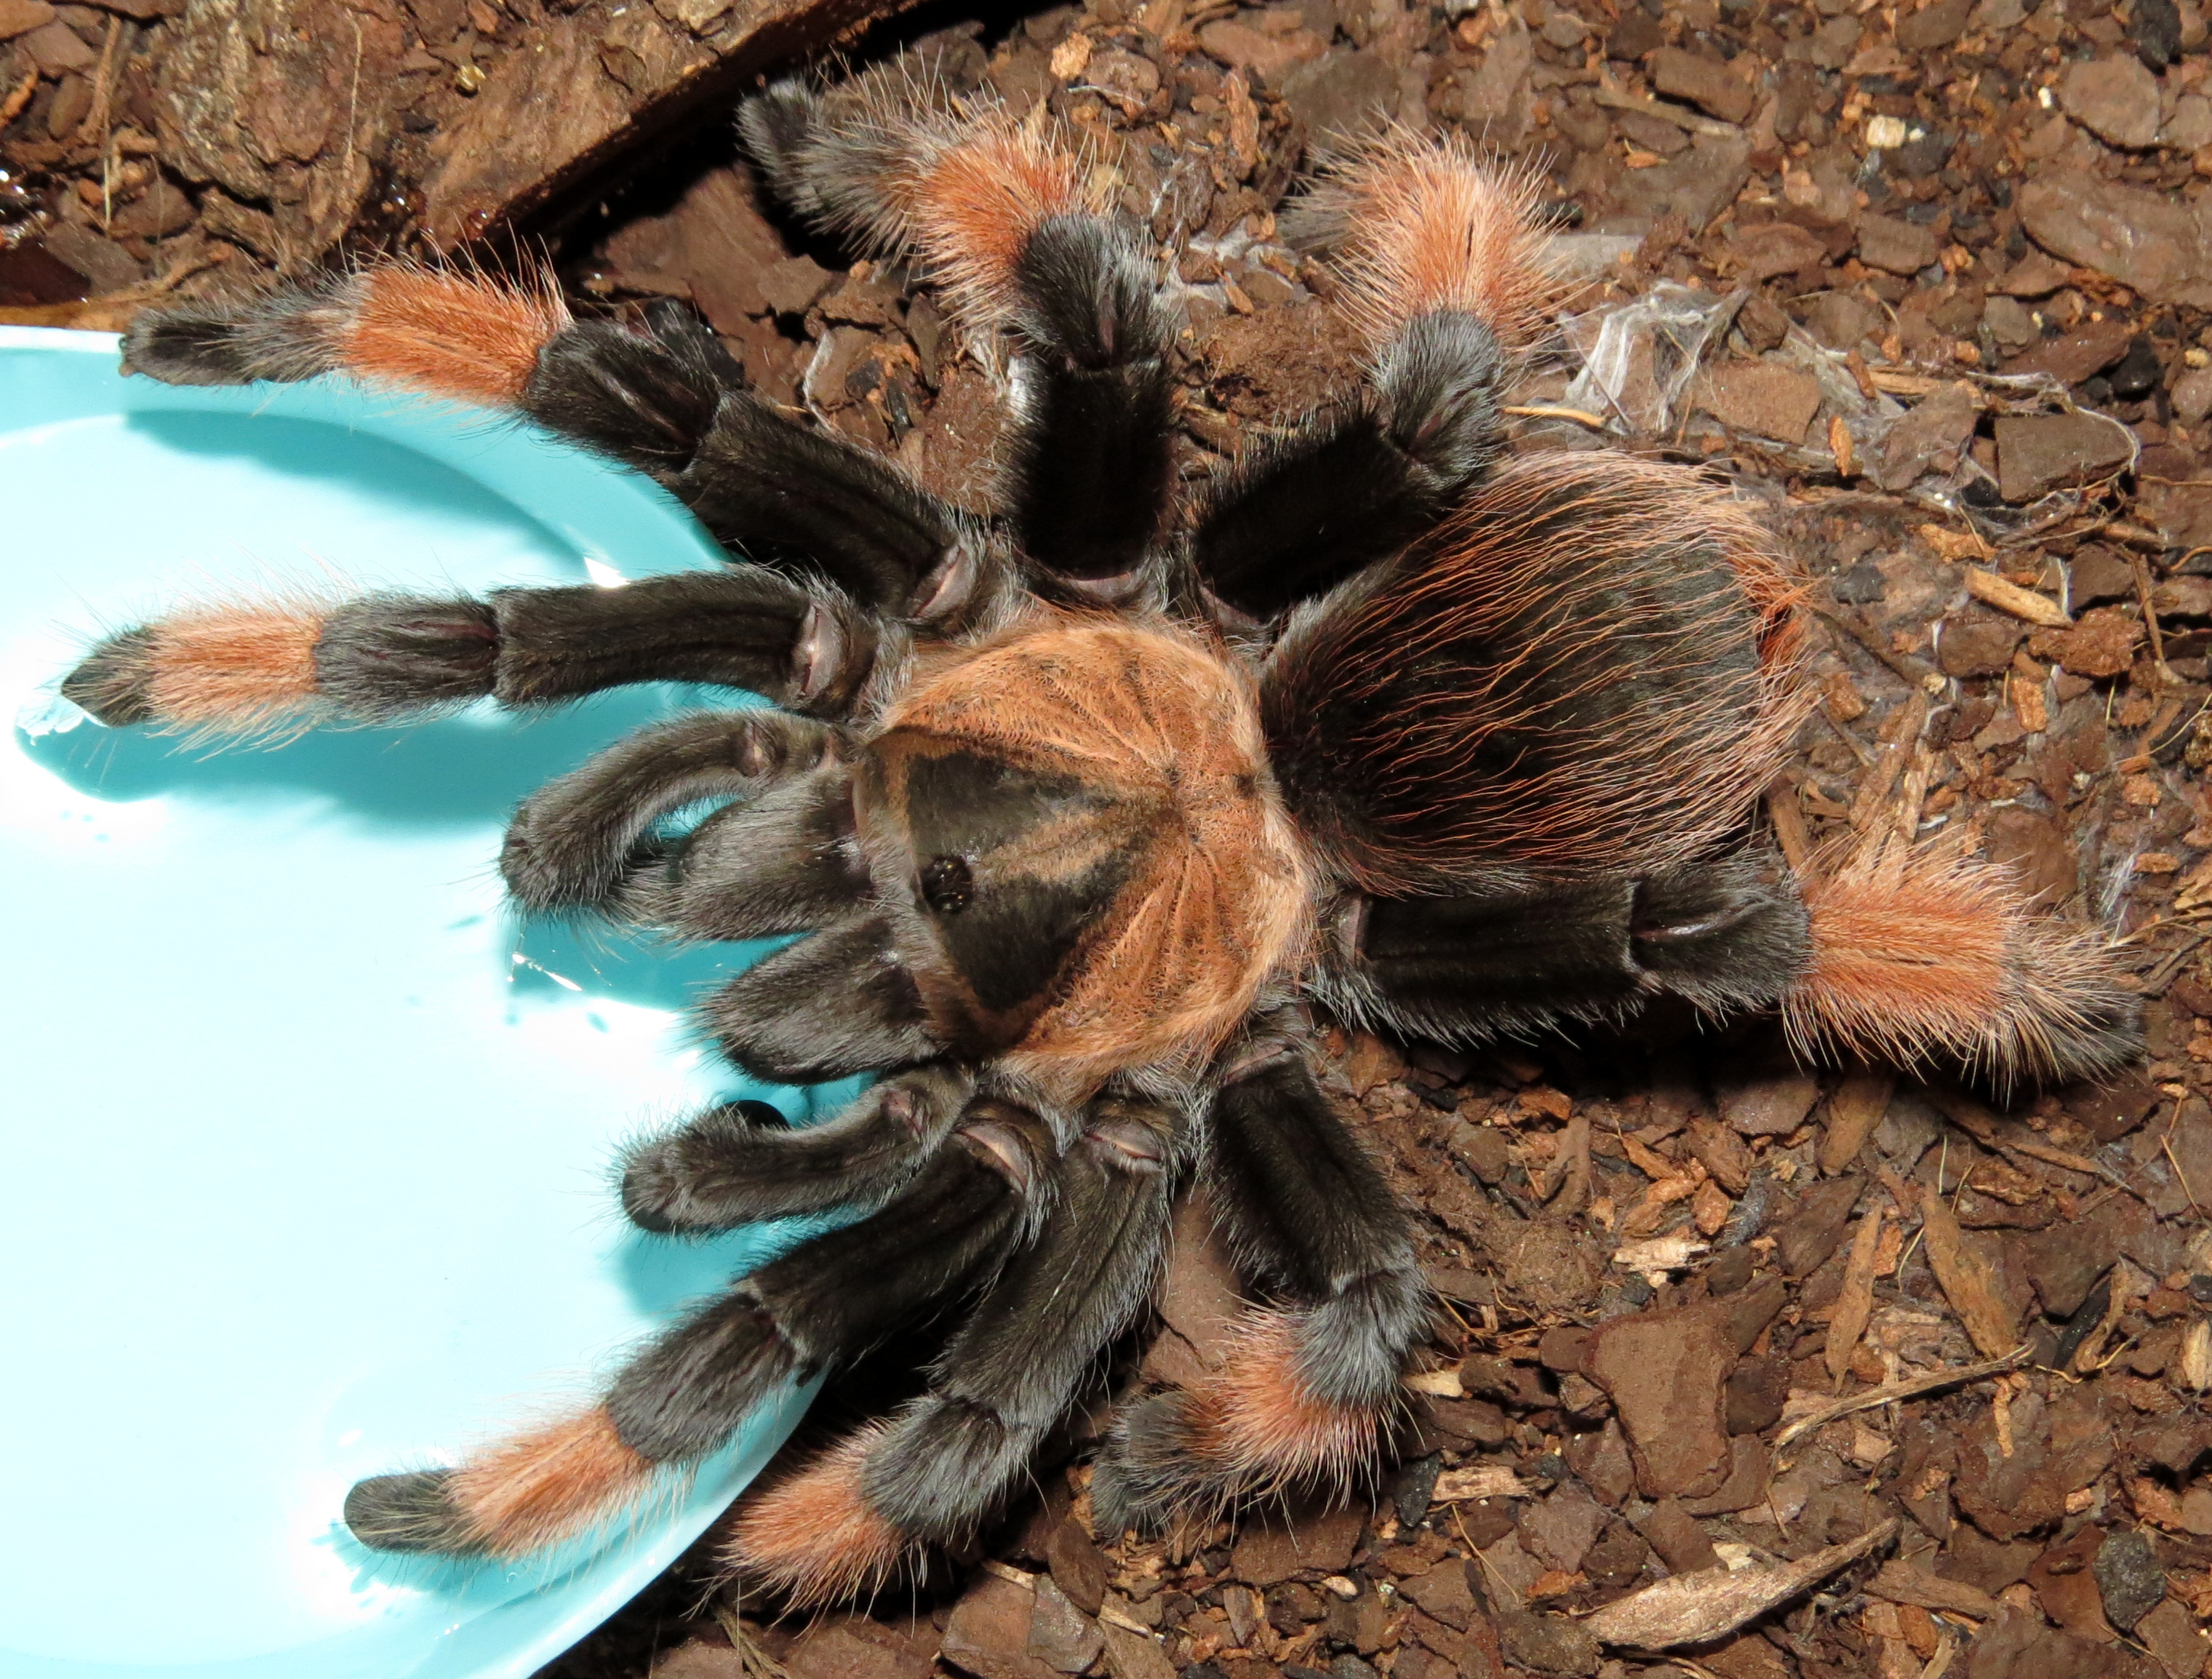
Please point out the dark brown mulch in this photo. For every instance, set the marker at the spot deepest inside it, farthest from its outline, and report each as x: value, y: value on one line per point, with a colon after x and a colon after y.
x: 1914, y: 253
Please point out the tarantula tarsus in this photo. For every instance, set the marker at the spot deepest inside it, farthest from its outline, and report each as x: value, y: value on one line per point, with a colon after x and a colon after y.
x: 1079, y: 805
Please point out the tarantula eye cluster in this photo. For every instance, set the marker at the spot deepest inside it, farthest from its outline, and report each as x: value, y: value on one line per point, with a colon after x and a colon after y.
x: 1079, y: 807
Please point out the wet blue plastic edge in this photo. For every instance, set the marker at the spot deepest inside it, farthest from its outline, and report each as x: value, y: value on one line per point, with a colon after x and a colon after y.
x: 600, y: 508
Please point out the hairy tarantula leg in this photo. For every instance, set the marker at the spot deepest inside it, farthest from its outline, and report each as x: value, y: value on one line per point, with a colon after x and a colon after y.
x: 784, y: 862
x: 666, y: 399
x: 834, y: 1003
x: 1303, y: 1392
x: 686, y: 1391
x: 932, y: 1471
x: 252, y: 666
x: 1296, y: 516
x: 1445, y: 275
x: 576, y: 841
x: 1725, y: 935
x: 1922, y: 954
x: 722, y: 1169
x: 1007, y: 221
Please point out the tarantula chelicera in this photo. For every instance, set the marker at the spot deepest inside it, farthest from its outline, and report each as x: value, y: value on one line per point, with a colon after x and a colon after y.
x: 1081, y: 805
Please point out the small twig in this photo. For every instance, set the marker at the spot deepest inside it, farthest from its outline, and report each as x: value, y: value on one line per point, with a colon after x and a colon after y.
x: 1858, y: 747
x: 753, y: 1661
x: 353, y: 92
x: 1513, y: 1599
x: 2136, y: 536
x: 1889, y: 1392
x: 1915, y: 673
x: 2167, y: 1144
x: 2170, y: 964
x: 2141, y: 567
x: 1689, y: 121
x: 1544, y: 412
x: 103, y: 87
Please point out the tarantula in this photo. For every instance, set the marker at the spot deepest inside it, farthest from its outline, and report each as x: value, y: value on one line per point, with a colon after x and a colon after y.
x: 1080, y: 806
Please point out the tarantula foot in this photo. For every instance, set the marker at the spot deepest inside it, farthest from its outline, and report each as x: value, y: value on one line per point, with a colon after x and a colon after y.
x: 411, y: 1513
x: 1256, y: 1427
x: 660, y: 1176
x: 115, y: 681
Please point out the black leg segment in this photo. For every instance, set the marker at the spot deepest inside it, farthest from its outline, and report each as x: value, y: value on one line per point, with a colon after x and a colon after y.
x: 1092, y: 455
x: 1347, y: 491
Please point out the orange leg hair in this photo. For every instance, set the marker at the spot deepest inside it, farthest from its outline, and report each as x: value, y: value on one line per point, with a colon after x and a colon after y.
x: 1257, y: 1424
x: 814, y: 1537
x: 239, y: 667
x: 1254, y: 1427
x: 448, y: 335
x: 1926, y: 951
x: 1423, y: 225
x: 897, y: 159
x: 520, y: 1496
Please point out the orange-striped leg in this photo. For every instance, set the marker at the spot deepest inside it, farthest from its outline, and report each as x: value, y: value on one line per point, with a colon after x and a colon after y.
x: 1306, y: 1387
x: 251, y: 667
x: 686, y: 1393
x: 665, y: 397
x: 933, y: 1472
x: 1444, y: 273
x: 1007, y: 221
x: 1255, y: 1427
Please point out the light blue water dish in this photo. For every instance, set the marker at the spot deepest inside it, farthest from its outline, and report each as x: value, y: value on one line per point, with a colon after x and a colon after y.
x: 307, y: 1143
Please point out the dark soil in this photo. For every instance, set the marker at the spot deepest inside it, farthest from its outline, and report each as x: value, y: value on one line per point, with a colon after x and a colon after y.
x: 1932, y: 284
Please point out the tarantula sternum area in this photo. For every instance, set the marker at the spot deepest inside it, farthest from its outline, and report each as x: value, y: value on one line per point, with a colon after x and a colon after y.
x: 1077, y: 810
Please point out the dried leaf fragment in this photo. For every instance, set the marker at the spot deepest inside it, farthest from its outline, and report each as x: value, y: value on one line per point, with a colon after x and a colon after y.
x: 1689, y: 1609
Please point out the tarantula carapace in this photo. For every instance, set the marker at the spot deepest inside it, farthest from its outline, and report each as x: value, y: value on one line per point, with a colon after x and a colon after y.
x: 1080, y: 806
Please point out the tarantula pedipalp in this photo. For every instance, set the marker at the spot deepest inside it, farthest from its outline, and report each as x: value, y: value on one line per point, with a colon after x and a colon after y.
x: 1074, y: 806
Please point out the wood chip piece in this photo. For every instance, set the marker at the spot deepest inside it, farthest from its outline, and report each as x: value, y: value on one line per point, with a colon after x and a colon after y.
x: 2009, y: 597
x: 1854, y: 1107
x: 1855, y: 1304
x: 1690, y: 1608
x: 1956, y: 545
x: 1131, y: 1654
x: 1901, y: 1583
x: 1461, y: 1486
x: 1967, y: 1280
